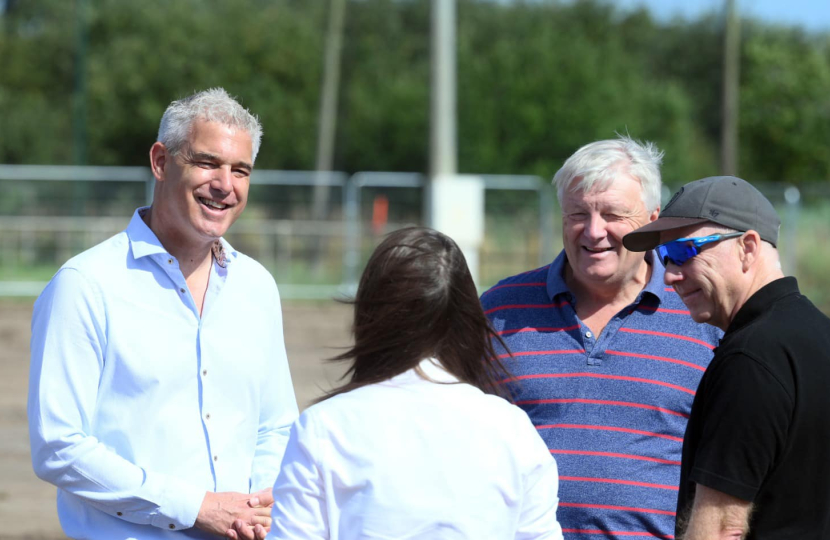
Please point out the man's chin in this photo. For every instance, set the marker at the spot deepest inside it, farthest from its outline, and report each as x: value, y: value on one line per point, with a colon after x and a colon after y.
x: 698, y: 316
x: 598, y: 271
x: 212, y: 234
x: 216, y: 229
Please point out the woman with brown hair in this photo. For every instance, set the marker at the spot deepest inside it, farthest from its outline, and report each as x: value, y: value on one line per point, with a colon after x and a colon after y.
x: 416, y: 444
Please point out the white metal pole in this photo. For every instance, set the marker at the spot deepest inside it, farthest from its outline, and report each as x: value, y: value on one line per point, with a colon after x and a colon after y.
x: 455, y: 204
x: 443, y: 159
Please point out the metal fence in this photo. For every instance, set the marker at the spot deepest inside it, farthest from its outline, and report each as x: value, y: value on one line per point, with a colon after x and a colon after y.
x: 50, y: 213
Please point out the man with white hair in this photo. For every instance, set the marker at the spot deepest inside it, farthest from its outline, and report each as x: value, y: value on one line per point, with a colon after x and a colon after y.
x: 755, y: 455
x: 606, y: 359
x: 160, y: 400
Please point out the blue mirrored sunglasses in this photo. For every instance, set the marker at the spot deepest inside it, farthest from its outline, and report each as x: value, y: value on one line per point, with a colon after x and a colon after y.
x: 681, y: 250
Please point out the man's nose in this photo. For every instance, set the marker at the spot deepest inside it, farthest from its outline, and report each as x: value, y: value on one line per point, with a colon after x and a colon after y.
x: 222, y: 180
x: 673, y: 274
x: 596, y: 226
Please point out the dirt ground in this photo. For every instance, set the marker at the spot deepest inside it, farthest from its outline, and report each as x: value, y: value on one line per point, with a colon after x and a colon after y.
x: 313, y: 332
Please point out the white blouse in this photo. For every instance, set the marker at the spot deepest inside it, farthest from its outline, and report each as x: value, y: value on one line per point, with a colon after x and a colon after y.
x: 417, y: 459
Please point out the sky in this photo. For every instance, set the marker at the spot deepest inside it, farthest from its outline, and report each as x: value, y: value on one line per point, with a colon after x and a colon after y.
x: 813, y: 15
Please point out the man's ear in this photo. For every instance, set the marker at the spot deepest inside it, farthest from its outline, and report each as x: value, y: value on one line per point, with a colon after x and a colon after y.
x: 158, y: 160
x: 654, y: 215
x: 749, y: 249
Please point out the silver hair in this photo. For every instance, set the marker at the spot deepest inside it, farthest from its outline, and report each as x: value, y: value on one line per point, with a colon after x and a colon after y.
x: 212, y: 105
x: 595, y: 165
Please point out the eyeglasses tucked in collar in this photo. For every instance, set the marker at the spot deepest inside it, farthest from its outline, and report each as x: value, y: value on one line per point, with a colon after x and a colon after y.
x: 681, y: 250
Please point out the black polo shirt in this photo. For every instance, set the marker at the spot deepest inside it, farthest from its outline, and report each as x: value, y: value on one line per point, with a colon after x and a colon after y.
x: 759, y: 429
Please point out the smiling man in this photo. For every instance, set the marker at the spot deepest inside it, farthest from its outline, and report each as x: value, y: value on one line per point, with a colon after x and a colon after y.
x: 755, y: 455
x: 159, y: 397
x: 606, y: 359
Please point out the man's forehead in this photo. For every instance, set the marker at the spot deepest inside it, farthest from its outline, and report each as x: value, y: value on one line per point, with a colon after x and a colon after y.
x: 609, y: 194
x: 210, y: 138
x: 204, y: 127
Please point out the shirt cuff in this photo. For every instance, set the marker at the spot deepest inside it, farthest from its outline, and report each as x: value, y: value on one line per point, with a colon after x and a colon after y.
x: 723, y: 484
x: 181, y: 505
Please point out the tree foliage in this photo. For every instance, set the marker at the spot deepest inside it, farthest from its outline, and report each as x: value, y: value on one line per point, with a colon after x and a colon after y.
x: 536, y: 80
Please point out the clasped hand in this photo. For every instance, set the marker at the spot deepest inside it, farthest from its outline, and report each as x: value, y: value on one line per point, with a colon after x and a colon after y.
x: 234, y: 514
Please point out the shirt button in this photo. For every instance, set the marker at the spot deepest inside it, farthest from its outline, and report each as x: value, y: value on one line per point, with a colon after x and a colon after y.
x: 170, y: 261
x: 204, y: 372
x: 119, y: 513
x: 181, y: 291
x: 172, y: 526
x: 207, y: 416
x: 215, y: 458
x: 587, y: 334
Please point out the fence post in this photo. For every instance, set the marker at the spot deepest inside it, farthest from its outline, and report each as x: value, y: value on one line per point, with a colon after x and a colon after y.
x: 149, y: 186
x: 351, y: 249
x: 547, y: 208
x: 792, y: 196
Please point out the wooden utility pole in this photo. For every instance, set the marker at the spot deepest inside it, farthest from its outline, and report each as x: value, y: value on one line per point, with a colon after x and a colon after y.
x: 730, y: 98
x: 327, y: 128
x: 328, y: 105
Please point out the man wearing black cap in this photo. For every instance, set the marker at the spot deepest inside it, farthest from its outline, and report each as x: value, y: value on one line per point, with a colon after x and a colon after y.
x: 755, y: 455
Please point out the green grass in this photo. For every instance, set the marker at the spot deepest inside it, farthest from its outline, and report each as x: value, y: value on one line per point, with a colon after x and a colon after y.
x: 27, y: 273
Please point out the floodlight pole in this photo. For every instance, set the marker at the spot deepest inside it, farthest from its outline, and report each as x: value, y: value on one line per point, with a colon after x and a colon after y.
x: 454, y: 204
x: 443, y: 159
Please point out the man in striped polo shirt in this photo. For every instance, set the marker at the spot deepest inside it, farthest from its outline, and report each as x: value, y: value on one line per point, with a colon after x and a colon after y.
x: 606, y: 358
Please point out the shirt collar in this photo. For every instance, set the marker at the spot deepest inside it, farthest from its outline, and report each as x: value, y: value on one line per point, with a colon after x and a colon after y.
x: 759, y: 302
x: 556, y: 277
x: 144, y: 241
x: 655, y: 285
x: 435, y: 371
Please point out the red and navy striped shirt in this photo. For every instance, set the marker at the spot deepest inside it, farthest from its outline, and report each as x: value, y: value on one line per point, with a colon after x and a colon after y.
x: 612, y: 409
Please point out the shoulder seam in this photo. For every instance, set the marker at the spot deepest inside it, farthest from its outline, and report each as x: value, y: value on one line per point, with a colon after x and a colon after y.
x: 762, y: 364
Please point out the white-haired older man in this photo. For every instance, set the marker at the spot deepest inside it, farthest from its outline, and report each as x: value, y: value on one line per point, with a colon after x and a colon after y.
x: 606, y: 359
x: 755, y: 455
x: 159, y: 398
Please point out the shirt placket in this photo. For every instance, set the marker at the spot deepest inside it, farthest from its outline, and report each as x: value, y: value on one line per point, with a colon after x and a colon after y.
x: 612, y: 328
x: 589, y: 342
x: 210, y: 384
x: 595, y: 346
x: 607, y: 337
x: 171, y: 268
x: 203, y: 356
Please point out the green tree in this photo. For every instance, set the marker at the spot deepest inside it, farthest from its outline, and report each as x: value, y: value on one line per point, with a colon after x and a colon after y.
x: 785, y: 105
x: 36, y: 81
x: 539, y: 80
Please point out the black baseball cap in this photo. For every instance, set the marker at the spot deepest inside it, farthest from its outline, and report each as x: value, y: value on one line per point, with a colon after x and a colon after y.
x: 725, y: 200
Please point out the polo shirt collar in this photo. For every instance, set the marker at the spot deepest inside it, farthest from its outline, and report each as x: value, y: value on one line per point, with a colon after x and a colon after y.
x: 759, y: 302
x: 144, y: 242
x: 655, y: 286
x: 556, y: 277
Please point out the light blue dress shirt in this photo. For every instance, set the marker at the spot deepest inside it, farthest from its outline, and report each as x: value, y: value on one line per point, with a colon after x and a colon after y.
x: 137, y: 405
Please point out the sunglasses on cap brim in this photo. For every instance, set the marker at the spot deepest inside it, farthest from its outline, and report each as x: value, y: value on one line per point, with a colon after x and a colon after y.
x: 681, y: 250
